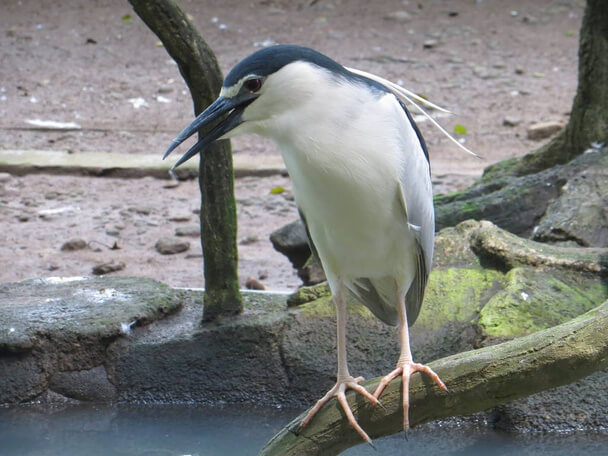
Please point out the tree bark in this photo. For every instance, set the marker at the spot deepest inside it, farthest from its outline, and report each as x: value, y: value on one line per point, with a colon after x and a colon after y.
x: 199, y: 68
x: 477, y: 380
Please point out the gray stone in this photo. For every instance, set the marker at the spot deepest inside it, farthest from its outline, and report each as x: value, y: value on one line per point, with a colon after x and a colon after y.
x: 248, y: 240
x: 292, y: 241
x: 65, y: 324
x: 268, y: 355
x: 514, y: 203
x: 580, y: 212
x: 171, y: 245
x: 74, y: 244
x: 84, y: 385
x: 141, y: 210
x: 5, y: 177
x: 398, y: 16
x: 109, y: 267
x: 543, y: 130
x: 509, y: 121
x: 180, y: 217
x: 188, y: 231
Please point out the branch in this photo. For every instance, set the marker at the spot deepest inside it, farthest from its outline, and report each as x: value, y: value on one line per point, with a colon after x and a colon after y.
x: 478, y: 380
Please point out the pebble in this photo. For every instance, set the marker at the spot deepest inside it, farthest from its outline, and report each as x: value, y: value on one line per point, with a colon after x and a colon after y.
x: 171, y: 245
x: 248, y: 240
x: 106, y: 268
x: 189, y: 231
x: 142, y: 210
x: 398, y: 16
x: 254, y: 284
x: 112, y: 231
x: 509, y: 121
x: 5, y: 177
x: 74, y: 244
x: 180, y: 217
x: 543, y: 130
x: 429, y: 44
x: 24, y: 216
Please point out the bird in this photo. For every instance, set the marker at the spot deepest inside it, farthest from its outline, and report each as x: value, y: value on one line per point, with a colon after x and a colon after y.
x: 361, y: 179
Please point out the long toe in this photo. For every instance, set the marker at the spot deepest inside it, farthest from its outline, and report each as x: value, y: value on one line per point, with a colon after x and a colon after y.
x: 339, y: 392
x: 405, y: 371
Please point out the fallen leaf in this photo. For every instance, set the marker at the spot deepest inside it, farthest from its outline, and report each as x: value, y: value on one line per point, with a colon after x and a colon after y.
x: 461, y: 129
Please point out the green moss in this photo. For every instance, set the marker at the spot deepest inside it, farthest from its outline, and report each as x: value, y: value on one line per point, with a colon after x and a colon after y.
x: 533, y: 300
x: 308, y: 294
x: 457, y: 294
x: 501, y: 169
x: 324, y: 308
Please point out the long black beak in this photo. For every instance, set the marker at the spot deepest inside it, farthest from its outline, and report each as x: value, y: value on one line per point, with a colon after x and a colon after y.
x: 233, y: 106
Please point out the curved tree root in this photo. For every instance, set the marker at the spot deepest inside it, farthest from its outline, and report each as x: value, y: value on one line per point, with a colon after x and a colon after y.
x: 478, y: 380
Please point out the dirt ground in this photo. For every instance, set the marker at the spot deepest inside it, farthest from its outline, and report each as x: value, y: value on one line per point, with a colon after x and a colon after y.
x: 96, y: 64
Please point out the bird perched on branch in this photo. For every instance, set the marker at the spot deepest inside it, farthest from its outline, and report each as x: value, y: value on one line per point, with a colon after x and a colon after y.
x: 361, y: 179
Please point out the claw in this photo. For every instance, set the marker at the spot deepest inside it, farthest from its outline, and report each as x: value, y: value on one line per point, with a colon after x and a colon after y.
x: 339, y: 392
x: 405, y: 370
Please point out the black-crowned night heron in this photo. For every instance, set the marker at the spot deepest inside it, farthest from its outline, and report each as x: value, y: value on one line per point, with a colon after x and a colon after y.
x: 361, y: 179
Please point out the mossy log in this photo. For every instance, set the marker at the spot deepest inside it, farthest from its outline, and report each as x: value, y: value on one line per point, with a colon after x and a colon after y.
x: 477, y: 380
x: 202, y: 74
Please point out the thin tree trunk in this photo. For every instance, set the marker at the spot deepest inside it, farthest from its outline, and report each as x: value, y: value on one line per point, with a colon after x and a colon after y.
x: 202, y: 74
x: 477, y: 380
x: 588, y: 122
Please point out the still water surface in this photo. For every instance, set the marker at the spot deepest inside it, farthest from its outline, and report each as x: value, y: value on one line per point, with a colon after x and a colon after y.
x: 237, y: 431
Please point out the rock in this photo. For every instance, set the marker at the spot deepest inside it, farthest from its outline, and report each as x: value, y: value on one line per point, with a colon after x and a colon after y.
x: 312, y: 272
x: 171, y: 245
x: 74, y: 244
x: 254, y: 284
x: 248, y: 240
x: 180, y: 217
x: 580, y: 212
x: 107, y: 268
x: 84, y: 385
x: 24, y: 216
x: 429, y: 44
x: 515, y: 203
x: 188, y: 231
x: 511, y: 121
x: 112, y: 230
x: 398, y: 16
x: 141, y: 210
x: 5, y: 177
x: 543, y: 130
x: 66, y: 324
x: 531, y: 300
x: 64, y: 331
x: 292, y: 241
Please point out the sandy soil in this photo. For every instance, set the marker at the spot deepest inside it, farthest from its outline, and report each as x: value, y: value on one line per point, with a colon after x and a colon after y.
x: 90, y: 63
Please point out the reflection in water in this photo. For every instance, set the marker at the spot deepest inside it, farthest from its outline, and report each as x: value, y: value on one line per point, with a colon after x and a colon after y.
x: 179, y: 430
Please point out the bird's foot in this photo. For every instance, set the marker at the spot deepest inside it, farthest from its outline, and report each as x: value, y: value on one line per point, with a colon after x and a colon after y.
x: 405, y: 369
x: 339, y: 391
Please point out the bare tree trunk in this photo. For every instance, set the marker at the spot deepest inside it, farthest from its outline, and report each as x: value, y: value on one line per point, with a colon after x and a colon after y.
x: 589, y: 115
x: 202, y: 74
x: 478, y: 380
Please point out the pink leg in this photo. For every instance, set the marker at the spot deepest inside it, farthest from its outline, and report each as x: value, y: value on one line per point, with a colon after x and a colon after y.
x: 344, y: 379
x: 406, y: 367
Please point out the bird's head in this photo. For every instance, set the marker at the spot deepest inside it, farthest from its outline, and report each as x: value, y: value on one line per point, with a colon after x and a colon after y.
x: 257, y: 91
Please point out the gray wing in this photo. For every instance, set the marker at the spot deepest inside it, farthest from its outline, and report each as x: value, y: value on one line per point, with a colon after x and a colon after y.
x: 417, y: 201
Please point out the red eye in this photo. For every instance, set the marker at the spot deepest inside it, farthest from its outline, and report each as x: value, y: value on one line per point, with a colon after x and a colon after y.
x: 253, y: 85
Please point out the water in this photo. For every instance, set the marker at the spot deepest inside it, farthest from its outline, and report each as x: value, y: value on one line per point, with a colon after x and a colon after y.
x: 237, y: 431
